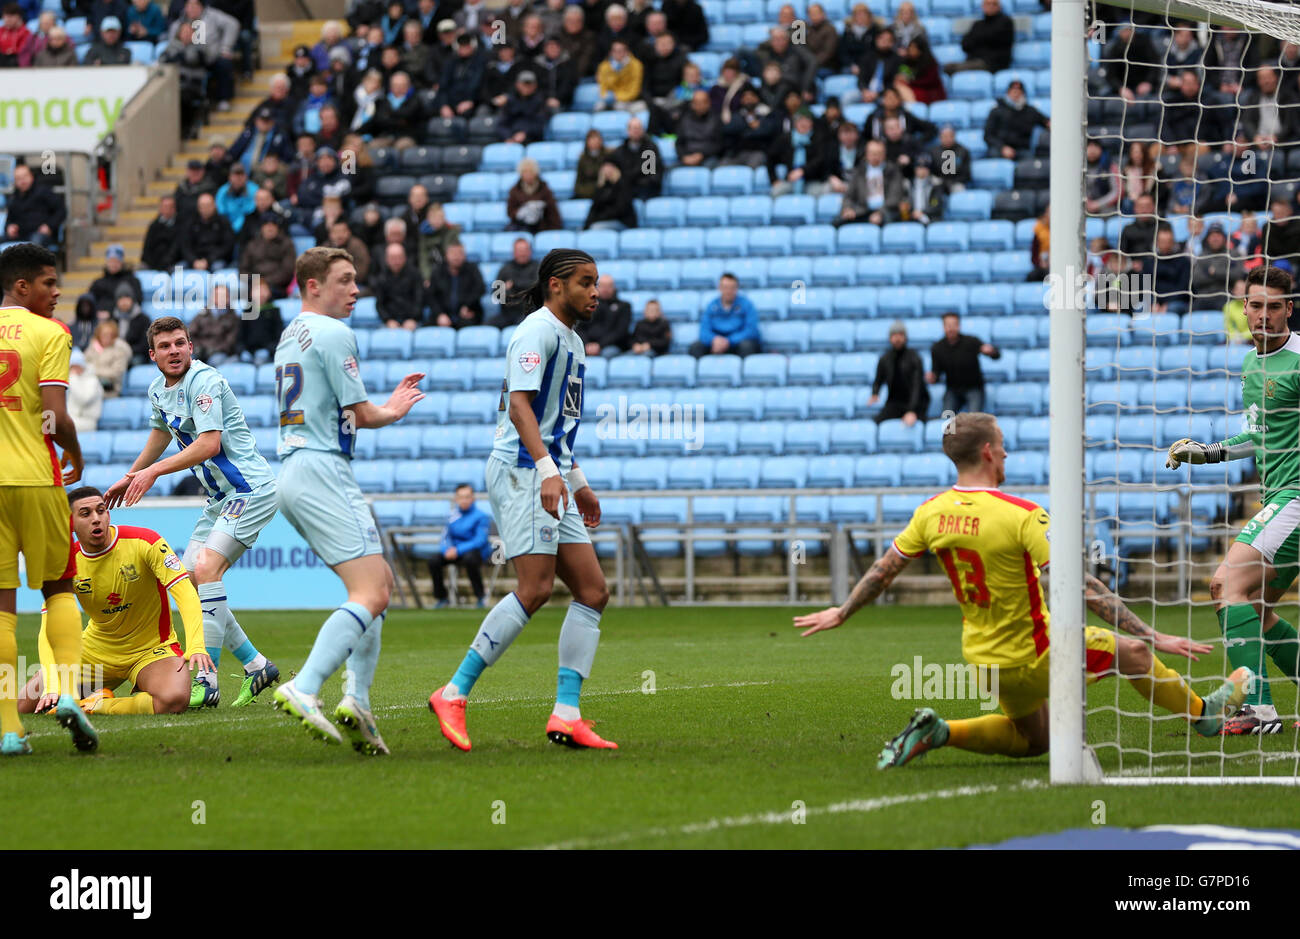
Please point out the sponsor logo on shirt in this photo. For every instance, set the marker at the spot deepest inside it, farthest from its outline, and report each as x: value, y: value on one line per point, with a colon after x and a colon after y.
x: 204, y: 402
x: 529, y: 361
x: 82, y: 584
x: 172, y: 562
x: 350, y: 366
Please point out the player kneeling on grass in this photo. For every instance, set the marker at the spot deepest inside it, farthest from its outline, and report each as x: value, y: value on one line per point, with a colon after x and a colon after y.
x: 123, y: 576
x: 995, y: 550
x: 531, y: 477
x: 1264, y: 560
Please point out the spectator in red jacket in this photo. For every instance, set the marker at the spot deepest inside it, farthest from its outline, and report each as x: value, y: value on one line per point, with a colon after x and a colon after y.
x: 17, y: 45
x: 918, y: 77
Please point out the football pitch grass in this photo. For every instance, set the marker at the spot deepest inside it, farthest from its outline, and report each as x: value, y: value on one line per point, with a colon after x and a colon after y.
x: 748, y: 729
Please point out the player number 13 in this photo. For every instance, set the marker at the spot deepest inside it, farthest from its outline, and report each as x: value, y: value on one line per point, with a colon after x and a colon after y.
x: 975, y: 590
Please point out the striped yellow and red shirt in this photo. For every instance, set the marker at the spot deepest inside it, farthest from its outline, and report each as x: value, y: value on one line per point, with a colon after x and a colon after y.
x: 993, y: 547
x: 34, y: 351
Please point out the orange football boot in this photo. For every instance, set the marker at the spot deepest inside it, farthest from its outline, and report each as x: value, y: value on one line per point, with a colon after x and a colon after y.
x: 577, y: 734
x: 451, y: 719
x: 90, y: 703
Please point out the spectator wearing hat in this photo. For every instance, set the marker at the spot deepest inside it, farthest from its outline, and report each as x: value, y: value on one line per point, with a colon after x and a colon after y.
x: 530, y: 204
x: 99, y: 10
x: 901, y: 371
x: 607, y: 333
x: 1009, y: 131
x: 399, y: 291
x: 456, y: 290
x: 116, y: 273
x: 132, y: 322
x: 108, y: 49
x: 342, y: 82
x: 215, y: 331
x: 462, y: 79
x: 85, y: 394
x: 956, y: 360
x: 34, y: 212
x: 261, y: 138
x: 439, y: 36
x: 611, y: 203
x: 85, y: 318
x: 108, y: 356
x: 259, y: 334
x: 398, y: 115
x: 270, y: 254
x: 208, y: 242
x: 237, y: 197
x: 729, y: 324
x: 325, y: 179
x: 300, y: 71
x: 17, y: 44
x: 988, y: 42
x: 523, y: 119
x: 195, y: 183
x: 620, y: 78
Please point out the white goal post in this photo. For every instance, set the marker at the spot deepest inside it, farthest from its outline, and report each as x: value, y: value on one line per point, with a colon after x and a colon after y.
x: 1072, y: 759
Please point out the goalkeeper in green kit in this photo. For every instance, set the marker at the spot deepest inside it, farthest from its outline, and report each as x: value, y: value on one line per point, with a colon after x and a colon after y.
x: 1264, y: 560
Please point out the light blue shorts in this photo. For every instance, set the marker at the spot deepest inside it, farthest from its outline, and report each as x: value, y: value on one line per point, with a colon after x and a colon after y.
x: 525, y: 527
x: 230, y: 525
x: 321, y: 499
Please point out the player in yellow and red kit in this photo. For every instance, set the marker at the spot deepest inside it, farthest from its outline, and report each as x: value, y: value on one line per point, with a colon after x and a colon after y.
x: 34, y: 518
x: 123, y: 578
x: 994, y: 548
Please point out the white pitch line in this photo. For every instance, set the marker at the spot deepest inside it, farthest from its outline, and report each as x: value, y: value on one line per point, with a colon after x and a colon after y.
x: 479, y: 703
x: 785, y: 817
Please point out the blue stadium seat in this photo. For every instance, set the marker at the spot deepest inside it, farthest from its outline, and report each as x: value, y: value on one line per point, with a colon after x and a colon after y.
x: 547, y: 241
x: 852, y: 436
x: 687, y: 181
x: 1032, y: 54
x: 898, y: 302
x: 684, y: 334
x: 813, y: 368
x: 140, y: 377
x: 1135, y: 362
x: 640, y: 243
x: 879, y: 470
x: 623, y: 272
x: 1110, y: 398
x: 1019, y: 398
x: 397, y: 442
x: 849, y: 302
x: 731, y: 181
x: 941, y: 299
x: 814, y: 240
x: 947, y: 236
x: 487, y: 375
x: 853, y: 510
x: 474, y: 341
x: 807, y: 437
x: 878, y: 270
x: 736, y: 472
x: 473, y: 407
x: 970, y: 204
x: 434, y: 342
x: 830, y: 336
x: 672, y: 371
x: 929, y: 469
x: 993, y: 173
x: 772, y: 303
x: 391, y: 344
x: 433, y: 409
x: 1027, y: 468
x: 1159, y: 329
x: 770, y: 242
x: 1183, y: 361
x: 658, y: 275
x: 794, y: 210
x: 1205, y: 328
x: 789, y: 337
x: 731, y: 241
x: 458, y: 213
x: 994, y: 235
x: 706, y: 211
x: 478, y: 187
x: 785, y: 472
x: 690, y: 472
x: 750, y: 212
x: 241, y: 376
x: 604, y: 474
x: 854, y: 368
x: 699, y: 273
x: 858, y: 238
x: 903, y: 238
x: 568, y: 125
x: 573, y: 213
x: 629, y: 371
x: 791, y: 404
x: 740, y: 404
x: 504, y: 157
x: 443, y: 442
x: 834, y: 272
x: 972, y: 85
x: 766, y: 438
x: 373, y: 475
x: 923, y: 269
x: 1031, y: 299
x: 600, y: 244
x: 1110, y: 329
x: 765, y: 369
x: 833, y: 403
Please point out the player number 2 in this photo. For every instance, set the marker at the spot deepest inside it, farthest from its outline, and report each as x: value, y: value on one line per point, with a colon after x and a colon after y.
x: 975, y: 590
x: 291, y: 373
x: 11, y: 369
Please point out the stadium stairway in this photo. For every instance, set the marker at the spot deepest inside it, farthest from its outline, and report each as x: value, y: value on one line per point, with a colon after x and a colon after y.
x: 278, y: 41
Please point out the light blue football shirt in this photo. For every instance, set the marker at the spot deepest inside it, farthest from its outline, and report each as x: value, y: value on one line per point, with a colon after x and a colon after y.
x: 202, y: 401
x: 318, y: 377
x: 547, y: 357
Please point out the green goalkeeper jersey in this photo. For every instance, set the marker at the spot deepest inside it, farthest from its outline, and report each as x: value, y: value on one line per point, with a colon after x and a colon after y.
x: 1270, y: 386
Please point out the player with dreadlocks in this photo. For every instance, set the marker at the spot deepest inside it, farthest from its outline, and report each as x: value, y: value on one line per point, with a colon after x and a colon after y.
x: 541, y: 501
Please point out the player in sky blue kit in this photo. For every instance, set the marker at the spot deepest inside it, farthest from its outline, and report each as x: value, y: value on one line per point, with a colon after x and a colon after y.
x: 193, y: 405
x: 545, y: 535
x: 323, y: 404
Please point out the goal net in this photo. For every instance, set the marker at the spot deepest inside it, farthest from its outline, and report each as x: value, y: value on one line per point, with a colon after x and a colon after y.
x: 1174, y: 174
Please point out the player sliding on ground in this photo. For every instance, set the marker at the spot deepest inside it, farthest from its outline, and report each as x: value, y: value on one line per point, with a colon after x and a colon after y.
x: 994, y: 548
x: 323, y: 403
x: 1264, y: 560
x: 541, y: 404
x: 123, y: 576
x: 193, y: 404
x: 34, y: 352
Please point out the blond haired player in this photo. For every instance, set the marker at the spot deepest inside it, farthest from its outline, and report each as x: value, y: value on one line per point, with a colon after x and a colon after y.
x: 123, y: 578
x: 34, y: 518
x: 994, y: 548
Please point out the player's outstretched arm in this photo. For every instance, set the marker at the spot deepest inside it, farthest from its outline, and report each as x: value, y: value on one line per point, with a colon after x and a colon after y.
x: 404, y: 397
x: 873, y: 583
x: 205, y: 446
x: 1190, y: 451
x: 1102, y: 601
x: 154, y: 448
x: 530, y: 435
x: 187, y: 601
x: 54, y: 405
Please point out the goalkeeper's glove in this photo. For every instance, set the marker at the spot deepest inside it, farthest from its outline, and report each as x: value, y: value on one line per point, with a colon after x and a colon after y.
x: 1188, y: 450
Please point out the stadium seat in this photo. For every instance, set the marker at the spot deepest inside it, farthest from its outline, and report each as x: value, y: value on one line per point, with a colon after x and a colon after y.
x: 640, y: 244
x: 762, y: 439
x: 487, y: 375
x: 835, y: 402
x: 442, y: 442
x: 830, y: 336
x: 858, y: 239
x: 972, y: 85
x: 766, y: 369
x: 791, y: 404
x: 852, y: 436
x: 398, y: 442
x: 736, y: 472
x: 740, y: 404
x: 373, y: 475
x: 928, y: 469
x: 472, y: 407
x: 771, y: 242
x: 689, y: 472
x: 475, y: 341
x: 672, y: 371
x: 948, y: 236
x: 794, y: 210
x: 751, y: 213
x: 1018, y: 398
x: 903, y: 238
x: 687, y: 181
x: 993, y: 173
x: 854, y: 368
x: 573, y: 213
x: 629, y: 371
x: 658, y: 275
x: 391, y: 344
x: 814, y: 240
x: 434, y: 342
x: 878, y: 471
x: 719, y: 371
x: 786, y: 472
x: 991, y: 299
x: 707, y: 211
x: 1026, y: 468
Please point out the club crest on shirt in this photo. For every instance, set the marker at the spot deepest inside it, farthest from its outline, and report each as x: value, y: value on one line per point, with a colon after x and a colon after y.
x: 350, y: 366
x: 529, y: 361
x: 204, y: 402
x: 180, y: 398
x: 172, y: 562
x: 1270, y: 386
x: 128, y: 572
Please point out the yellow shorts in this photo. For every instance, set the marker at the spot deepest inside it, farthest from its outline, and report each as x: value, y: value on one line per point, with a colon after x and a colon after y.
x: 36, y: 521
x: 1023, y: 689
x: 108, y: 663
